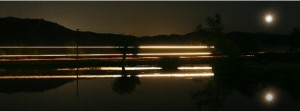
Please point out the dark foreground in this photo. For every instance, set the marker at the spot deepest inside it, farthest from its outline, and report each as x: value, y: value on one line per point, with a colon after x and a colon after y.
x: 218, y: 84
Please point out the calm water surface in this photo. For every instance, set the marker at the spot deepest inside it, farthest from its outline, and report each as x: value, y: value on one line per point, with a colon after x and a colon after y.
x: 233, y: 92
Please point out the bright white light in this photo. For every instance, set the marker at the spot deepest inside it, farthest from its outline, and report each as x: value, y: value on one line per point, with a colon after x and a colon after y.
x: 269, y: 97
x: 171, y: 54
x: 175, y: 47
x: 193, y: 68
x: 269, y: 18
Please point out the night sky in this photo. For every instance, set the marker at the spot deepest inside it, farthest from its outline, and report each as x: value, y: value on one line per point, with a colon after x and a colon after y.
x: 156, y: 18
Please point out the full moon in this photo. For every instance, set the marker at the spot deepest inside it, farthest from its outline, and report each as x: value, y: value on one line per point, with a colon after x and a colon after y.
x: 269, y: 97
x: 269, y: 18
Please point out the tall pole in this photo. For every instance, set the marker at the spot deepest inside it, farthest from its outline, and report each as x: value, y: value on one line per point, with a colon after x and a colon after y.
x: 77, y: 63
x: 77, y: 72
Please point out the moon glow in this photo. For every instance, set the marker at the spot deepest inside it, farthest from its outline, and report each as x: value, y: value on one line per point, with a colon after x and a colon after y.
x: 268, y: 18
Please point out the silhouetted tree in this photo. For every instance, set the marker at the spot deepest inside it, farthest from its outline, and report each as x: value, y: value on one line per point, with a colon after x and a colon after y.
x: 213, y: 30
x: 125, y: 85
x: 127, y: 45
x: 213, y: 35
x: 294, y: 39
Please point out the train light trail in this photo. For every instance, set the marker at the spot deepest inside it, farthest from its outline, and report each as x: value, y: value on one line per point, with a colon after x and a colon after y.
x: 88, y: 55
x: 113, y: 68
x: 194, y: 68
x: 104, y: 47
x: 133, y: 68
x: 109, y: 76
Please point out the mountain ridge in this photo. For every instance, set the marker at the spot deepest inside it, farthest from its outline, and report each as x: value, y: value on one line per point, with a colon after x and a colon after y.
x: 18, y: 31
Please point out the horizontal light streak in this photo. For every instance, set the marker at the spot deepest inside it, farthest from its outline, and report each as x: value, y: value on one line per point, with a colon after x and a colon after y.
x: 163, y: 54
x: 108, y: 76
x: 247, y: 55
x: 113, y: 68
x: 194, y: 68
x: 204, y: 56
x: 150, y: 57
x: 133, y: 68
x: 140, y: 54
x: 175, y: 47
x: 103, y: 47
x: 91, y: 58
x: 178, y: 75
x: 44, y: 55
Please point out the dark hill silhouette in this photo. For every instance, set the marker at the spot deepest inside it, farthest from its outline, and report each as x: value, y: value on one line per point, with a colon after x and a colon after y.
x: 26, y: 31
x: 24, y: 26
x: 16, y: 31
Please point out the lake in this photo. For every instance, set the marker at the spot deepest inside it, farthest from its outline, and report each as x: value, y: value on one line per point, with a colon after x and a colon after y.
x: 192, y: 87
x: 177, y: 78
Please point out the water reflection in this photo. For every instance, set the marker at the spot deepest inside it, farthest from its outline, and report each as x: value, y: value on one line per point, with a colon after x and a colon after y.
x: 136, y: 68
x: 112, y: 68
x: 229, y: 85
x: 269, y: 97
x: 159, y: 75
x: 252, y: 81
x: 11, y: 86
x: 211, y: 97
x: 47, y: 79
x: 125, y: 84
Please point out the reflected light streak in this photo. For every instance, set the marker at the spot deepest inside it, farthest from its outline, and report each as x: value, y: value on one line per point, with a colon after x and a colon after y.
x: 103, y: 47
x: 113, y: 68
x: 107, y: 76
x: 151, y: 57
x: 92, y: 58
x: 193, y: 68
x: 133, y: 68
